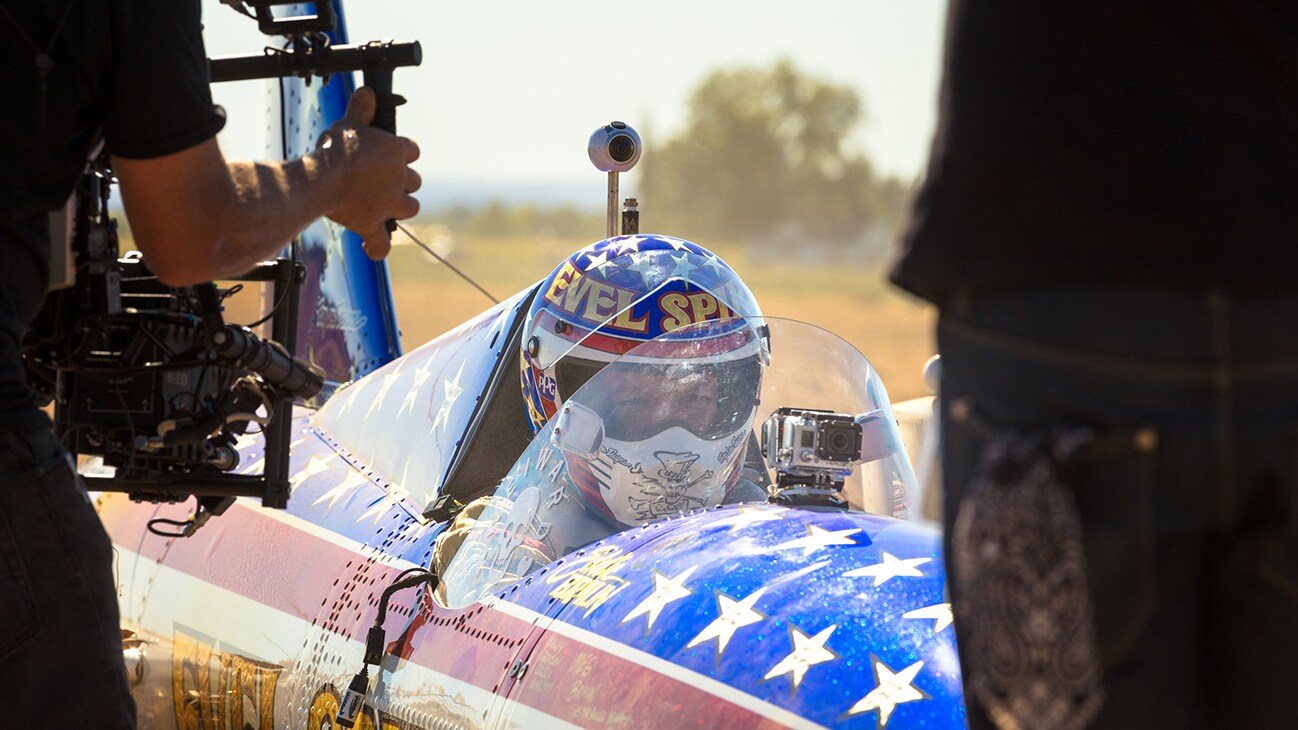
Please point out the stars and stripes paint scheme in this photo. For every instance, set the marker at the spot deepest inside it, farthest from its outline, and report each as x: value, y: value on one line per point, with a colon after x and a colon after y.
x: 747, y: 615
x: 550, y: 616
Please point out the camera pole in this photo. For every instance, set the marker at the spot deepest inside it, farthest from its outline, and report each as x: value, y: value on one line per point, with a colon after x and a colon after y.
x: 612, y: 204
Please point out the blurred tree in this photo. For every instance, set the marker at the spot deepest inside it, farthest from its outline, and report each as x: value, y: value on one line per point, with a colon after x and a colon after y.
x: 764, y: 160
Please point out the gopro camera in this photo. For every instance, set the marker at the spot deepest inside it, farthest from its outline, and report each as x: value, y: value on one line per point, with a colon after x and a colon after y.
x: 805, y: 441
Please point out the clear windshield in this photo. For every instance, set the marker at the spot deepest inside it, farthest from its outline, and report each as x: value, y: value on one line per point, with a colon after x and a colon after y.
x: 672, y: 426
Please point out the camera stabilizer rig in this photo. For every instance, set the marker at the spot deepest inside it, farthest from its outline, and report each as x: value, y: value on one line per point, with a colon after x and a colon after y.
x: 151, y: 378
x: 154, y: 381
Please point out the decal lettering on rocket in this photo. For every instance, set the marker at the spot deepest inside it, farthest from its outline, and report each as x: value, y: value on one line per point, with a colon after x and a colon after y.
x: 592, y: 583
x: 227, y: 685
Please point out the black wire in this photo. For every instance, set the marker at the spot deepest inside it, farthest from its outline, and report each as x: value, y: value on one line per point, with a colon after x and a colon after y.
x: 446, y: 263
x: 227, y: 293
x: 197, y: 396
x: 397, y: 585
x: 156, y: 340
x: 67, y: 13
x: 165, y: 521
x: 282, y: 295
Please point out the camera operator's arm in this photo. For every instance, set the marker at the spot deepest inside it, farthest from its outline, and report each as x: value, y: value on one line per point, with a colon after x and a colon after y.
x: 197, y: 217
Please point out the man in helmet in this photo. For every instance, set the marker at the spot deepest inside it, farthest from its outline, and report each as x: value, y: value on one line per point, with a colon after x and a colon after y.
x: 614, y: 296
x: 675, y: 415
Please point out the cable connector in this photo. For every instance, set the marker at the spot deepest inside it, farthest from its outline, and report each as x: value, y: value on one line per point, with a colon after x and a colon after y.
x: 354, y: 700
x: 375, y: 644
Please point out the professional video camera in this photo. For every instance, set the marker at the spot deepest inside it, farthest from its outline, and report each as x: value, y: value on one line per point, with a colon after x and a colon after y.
x: 151, y: 378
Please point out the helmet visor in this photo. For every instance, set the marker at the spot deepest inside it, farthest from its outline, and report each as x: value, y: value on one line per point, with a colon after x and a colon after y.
x: 710, y: 400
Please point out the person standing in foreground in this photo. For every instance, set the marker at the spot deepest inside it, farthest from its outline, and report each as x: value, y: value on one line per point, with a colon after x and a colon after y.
x: 1108, y: 227
x: 134, y: 74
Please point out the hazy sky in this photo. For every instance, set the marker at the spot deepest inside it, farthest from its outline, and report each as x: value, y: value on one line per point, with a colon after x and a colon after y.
x: 509, y: 91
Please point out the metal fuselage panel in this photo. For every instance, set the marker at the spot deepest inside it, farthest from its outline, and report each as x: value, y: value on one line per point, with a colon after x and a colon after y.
x: 732, y: 617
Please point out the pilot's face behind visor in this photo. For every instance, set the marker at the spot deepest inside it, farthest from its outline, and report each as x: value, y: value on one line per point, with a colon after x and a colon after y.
x: 638, y: 401
x: 640, y: 404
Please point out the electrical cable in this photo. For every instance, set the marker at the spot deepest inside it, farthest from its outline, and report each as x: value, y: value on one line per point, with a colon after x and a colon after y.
x: 375, y: 641
x: 446, y: 263
x: 279, y: 301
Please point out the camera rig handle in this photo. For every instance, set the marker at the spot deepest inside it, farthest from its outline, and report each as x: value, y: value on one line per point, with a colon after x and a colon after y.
x: 373, y: 59
x: 376, y: 60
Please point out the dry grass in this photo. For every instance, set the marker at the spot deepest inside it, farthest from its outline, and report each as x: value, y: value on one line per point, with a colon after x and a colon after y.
x: 894, y: 331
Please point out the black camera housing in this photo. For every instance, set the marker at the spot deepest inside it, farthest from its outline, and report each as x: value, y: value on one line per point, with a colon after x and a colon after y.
x: 806, y: 441
x: 152, y: 380
x: 839, y: 439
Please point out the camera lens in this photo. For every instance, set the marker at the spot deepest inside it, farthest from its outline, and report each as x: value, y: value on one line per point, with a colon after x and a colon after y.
x: 839, y: 441
x: 621, y: 148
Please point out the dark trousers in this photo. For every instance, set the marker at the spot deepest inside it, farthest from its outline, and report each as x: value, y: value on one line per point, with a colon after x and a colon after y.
x: 1190, y: 537
x: 61, y: 660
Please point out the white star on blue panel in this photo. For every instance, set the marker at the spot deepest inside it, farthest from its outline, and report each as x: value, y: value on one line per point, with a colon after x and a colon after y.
x: 315, y: 465
x: 888, y: 568
x: 422, y: 373
x: 734, y: 616
x: 630, y: 245
x: 714, y: 263
x: 940, y: 613
x: 745, y: 516
x: 379, y: 508
x: 817, y: 538
x: 389, y: 380
x: 665, y: 591
x: 892, y: 689
x: 808, y: 651
x: 451, y: 390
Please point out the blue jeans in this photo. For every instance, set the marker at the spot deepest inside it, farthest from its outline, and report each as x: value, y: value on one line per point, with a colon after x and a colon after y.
x: 1189, y: 537
x: 61, y: 660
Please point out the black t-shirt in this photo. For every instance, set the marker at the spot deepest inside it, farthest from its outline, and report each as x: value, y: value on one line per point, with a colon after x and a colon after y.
x: 1112, y: 143
x: 136, y: 70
